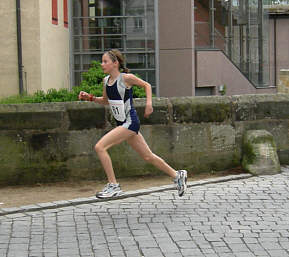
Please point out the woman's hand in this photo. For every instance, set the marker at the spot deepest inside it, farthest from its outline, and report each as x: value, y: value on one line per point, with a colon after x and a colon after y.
x: 83, y: 96
x: 148, y: 110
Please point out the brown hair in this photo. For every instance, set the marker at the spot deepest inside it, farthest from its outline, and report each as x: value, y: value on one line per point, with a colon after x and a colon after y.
x: 116, y: 55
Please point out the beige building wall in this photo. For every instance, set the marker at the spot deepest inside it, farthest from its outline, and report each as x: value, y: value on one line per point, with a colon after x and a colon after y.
x: 176, y: 48
x: 8, y: 49
x: 54, y: 48
x: 45, y: 47
x: 31, y: 45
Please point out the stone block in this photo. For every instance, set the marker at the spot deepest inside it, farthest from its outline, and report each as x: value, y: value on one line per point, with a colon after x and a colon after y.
x: 161, y: 113
x: 278, y: 128
x: 272, y: 106
x: 189, y: 138
x: 244, y: 107
x: 85, y: 167
x: 191, y: 147
x: 12, y: 154
x: 216, y: 161
x: 28, y: 158
x: 260, y: 153
x: 85, y: 115
x: 201, y: 109
x: 257, y: 107
x: 158, y: 137
x: 82, y: 142
x: 32, y: 116
x: 222, y: 137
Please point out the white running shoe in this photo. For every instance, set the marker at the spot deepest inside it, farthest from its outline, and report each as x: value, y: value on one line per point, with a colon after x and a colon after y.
x: 181, y: 182
x: 110, y: 190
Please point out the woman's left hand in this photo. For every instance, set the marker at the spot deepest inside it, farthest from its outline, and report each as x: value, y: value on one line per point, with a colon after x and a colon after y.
x: 148, y: 110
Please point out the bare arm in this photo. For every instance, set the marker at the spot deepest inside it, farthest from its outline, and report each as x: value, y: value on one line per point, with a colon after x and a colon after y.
x: 131, y: 80
x: 103, y: 99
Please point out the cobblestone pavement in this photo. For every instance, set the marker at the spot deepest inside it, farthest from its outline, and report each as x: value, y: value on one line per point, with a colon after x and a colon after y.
x: 248, y: 217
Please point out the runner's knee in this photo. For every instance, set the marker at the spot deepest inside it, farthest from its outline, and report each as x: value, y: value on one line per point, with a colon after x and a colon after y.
x: 98, y: 148
x: 149, y: 157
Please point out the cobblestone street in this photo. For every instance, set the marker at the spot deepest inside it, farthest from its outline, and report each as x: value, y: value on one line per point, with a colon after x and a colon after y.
x: 247, y: 217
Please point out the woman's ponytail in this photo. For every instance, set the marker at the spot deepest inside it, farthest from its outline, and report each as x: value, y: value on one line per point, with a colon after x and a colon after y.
x: 125, y: 70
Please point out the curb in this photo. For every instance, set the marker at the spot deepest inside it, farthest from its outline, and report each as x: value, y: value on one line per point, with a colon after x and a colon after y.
x: 127, y: 194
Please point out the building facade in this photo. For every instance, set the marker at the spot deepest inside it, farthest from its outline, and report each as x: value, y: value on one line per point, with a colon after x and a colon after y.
x: 44, y: 42
x: 182, y: 48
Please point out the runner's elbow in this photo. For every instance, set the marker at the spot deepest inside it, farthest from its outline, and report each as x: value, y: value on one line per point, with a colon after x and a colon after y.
x: 148, y: 85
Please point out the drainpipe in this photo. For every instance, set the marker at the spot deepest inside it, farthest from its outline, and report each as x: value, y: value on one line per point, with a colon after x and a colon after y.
x: 71, y: 45
x: 248, y: 39
x: 212, y: 24
x: 275, y: 52
x: 230, y: 28
x: 19, y: 46
x: 260, y: 43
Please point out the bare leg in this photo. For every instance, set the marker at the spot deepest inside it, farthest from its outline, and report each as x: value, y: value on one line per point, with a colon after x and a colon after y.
x: 114, y: 137
x: 138, y: 143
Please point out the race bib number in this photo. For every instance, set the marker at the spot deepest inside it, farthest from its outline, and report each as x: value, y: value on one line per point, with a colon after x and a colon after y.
x: 117, y: 109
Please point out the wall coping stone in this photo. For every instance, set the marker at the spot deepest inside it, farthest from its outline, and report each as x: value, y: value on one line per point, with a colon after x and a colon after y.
x: 85, y: 115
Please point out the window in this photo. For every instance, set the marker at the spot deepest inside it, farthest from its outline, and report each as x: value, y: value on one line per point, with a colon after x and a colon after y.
x: 65, y: 13
x: 54, y: 12
x: 138, y: 24
x: 129, y: 25
x: 204, y: 91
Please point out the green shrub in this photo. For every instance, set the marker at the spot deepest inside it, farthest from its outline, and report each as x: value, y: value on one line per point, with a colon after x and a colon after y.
x: 91, y: 83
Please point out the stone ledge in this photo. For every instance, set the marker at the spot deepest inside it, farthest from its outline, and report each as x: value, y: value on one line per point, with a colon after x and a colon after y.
x: 32, y: 116
x: 201, y: 109
x: 161, y: 113
x: 31, y: 120
x: 257, y: 107
x: 80, y: 201
x: 86, y: 115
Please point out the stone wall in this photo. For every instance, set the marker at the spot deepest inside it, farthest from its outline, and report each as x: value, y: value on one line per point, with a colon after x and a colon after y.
x: 55, y: 141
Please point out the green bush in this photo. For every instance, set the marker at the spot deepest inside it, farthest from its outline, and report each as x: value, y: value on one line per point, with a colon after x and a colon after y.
x: 91, y: 83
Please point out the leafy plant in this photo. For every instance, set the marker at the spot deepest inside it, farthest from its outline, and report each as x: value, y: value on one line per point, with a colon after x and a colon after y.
x: 94, y: 75
x: 91, y: 83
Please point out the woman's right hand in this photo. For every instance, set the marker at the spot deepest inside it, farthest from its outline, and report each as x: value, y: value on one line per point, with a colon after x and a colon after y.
x: 83, y: 96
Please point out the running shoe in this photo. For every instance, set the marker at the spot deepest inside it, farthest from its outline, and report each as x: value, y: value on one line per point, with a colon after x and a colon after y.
x: 181, y: 181
x: 110, y: 190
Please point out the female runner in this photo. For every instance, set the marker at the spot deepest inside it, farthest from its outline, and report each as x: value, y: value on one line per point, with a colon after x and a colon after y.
x: 117, y: 92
